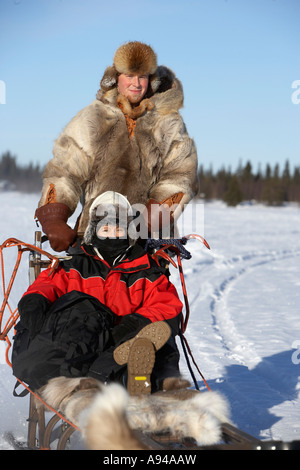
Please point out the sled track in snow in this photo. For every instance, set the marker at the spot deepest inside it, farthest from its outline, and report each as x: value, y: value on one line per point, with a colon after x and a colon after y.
x: 232, y: 340
x: 239, y: 350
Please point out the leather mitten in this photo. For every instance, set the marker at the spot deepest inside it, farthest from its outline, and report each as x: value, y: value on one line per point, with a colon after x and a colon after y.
x: 53, y: 218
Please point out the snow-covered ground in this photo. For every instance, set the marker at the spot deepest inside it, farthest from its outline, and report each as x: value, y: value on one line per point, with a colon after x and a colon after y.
x: 244, y: 328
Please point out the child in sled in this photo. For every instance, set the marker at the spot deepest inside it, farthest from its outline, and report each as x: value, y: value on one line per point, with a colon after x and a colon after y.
x: 108, y: 312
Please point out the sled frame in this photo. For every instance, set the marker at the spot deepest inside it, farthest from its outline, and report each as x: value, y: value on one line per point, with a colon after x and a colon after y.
x: 41, y: 435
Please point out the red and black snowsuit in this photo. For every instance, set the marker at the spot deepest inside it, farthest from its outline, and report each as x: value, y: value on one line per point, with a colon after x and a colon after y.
x: 129, y: 295
x: 135, y: 285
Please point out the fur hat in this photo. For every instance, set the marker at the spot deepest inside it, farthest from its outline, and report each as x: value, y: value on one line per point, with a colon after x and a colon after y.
x: 132, y: 57
x: 135, y: 57
x: 109, y: 208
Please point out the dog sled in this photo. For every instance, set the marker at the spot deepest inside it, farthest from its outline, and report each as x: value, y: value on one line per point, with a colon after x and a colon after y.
x: 48, y: 428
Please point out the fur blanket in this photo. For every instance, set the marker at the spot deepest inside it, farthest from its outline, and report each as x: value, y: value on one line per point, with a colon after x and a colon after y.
x: 108, y: 416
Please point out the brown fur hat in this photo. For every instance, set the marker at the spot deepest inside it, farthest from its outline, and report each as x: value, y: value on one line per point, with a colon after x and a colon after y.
x: 135, y: 57
x: 132, y: 57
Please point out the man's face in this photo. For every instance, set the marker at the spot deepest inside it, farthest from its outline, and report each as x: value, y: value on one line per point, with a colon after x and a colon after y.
x: 133, y: 87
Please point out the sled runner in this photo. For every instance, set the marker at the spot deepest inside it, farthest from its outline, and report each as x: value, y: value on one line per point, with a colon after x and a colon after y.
x: 45, y: 433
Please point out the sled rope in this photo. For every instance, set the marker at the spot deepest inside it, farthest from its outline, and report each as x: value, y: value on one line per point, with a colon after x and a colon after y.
x: 185, y: 348
x: 22, y: 248
x: 176, y: 245
x: 162, y: 246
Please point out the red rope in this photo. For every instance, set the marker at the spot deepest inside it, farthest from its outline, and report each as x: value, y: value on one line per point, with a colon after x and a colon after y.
x: 184, y: 321
x: 6, y: 291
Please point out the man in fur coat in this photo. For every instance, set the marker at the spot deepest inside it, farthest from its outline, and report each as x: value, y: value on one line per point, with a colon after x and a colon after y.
x: 131, y: 139
x: 82, y: 318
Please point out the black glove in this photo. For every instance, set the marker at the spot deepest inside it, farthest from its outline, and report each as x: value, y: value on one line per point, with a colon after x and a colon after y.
x: 129, y: 324
x: 32, y: 309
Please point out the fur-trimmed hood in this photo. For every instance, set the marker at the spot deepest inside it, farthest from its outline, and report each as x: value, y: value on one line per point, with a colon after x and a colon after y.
x: 165, y: 91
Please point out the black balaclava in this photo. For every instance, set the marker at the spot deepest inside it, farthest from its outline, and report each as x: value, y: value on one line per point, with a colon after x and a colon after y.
x: 110, y: 248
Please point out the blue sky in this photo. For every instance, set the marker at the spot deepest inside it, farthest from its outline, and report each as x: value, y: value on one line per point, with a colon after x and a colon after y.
x: 237, y: 60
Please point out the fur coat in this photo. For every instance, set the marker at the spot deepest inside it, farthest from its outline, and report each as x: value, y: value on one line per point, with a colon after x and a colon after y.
x: 143, y: 153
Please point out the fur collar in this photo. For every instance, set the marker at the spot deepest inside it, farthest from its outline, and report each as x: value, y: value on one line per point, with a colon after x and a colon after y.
x: 136, y: 112
x: 165, y: 93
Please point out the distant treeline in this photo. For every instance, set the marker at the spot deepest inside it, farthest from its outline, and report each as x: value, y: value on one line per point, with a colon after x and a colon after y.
x: 27, y: 179
x: 273, y: 186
